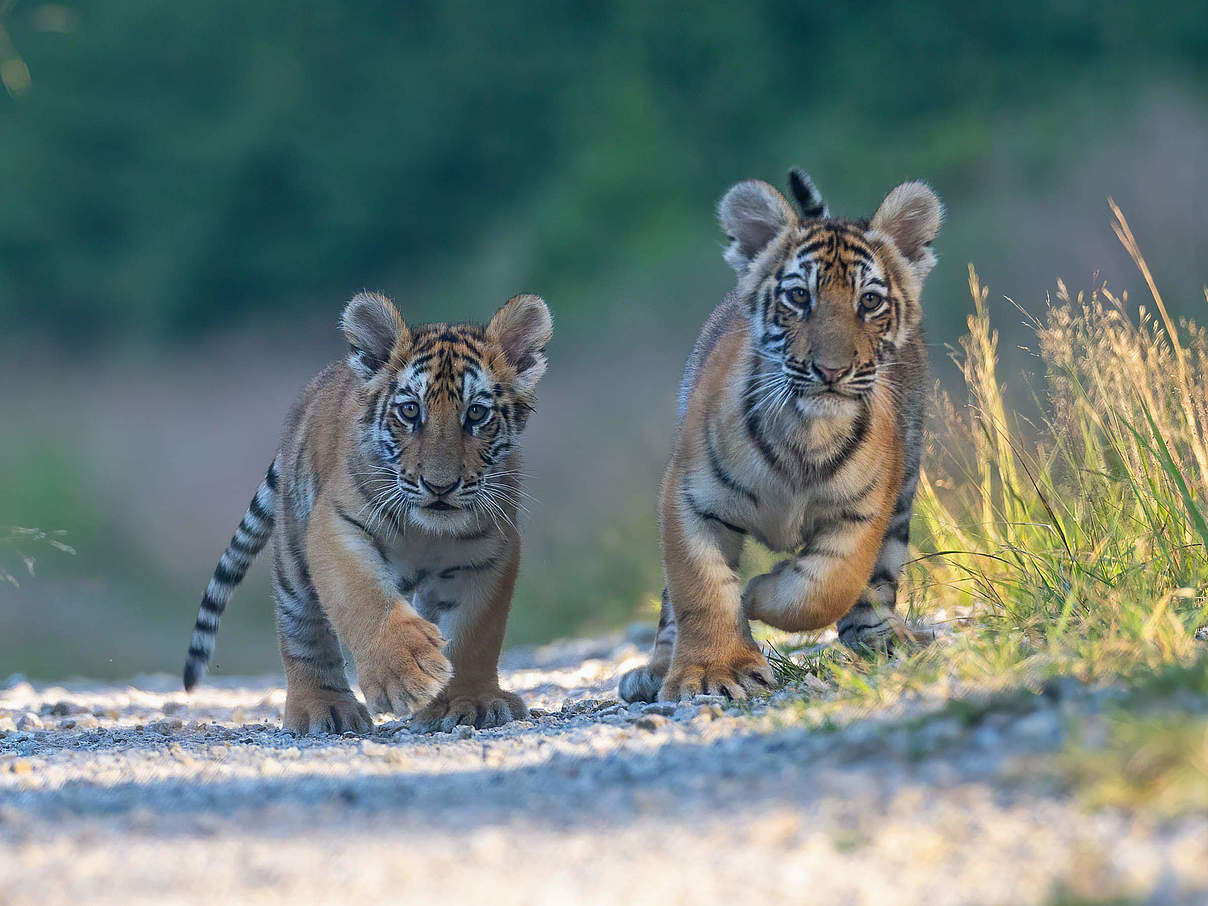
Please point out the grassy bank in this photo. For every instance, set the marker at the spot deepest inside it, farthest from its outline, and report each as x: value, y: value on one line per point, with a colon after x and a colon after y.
x: 1067, y: 543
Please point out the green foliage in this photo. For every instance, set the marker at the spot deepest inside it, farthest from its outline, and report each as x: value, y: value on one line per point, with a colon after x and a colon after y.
x: 169, y: 166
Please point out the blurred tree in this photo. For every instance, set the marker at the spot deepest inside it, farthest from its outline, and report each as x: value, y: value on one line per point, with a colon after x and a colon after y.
x: 171, y: 166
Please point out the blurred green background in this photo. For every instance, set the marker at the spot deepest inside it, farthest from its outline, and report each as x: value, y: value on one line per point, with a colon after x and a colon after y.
x: 189, y: 192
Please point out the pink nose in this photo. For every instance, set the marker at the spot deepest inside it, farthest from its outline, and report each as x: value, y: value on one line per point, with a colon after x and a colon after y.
x: 830, y: 375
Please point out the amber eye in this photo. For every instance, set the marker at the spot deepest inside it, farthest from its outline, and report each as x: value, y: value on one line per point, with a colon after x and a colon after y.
x: 799, y: 296
x: 870, y: 302
x: 476, y: 414
x: 409, y: 410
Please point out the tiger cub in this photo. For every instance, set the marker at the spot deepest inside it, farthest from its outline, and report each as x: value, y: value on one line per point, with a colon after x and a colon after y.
x: 391, y: 505
x: 800, y: 425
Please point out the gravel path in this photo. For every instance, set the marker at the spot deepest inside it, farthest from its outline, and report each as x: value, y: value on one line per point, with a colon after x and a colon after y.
x: 138, y: 794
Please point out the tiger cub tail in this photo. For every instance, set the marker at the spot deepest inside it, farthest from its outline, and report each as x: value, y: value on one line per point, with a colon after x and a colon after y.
x: 249, y: 539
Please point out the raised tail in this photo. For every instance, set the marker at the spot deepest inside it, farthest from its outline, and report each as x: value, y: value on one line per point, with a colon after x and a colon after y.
x: 249, y: 538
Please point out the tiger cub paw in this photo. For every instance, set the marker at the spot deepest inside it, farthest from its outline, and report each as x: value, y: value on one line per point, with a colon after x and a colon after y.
x: 737, y: 673
x: 482, y: 709
x: 324, y: 711
x: 877, y: 630
x: 404, y: 668
x: 641, y: 684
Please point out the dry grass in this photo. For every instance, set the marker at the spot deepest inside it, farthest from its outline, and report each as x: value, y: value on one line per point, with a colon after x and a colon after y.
x: 1072, y: 542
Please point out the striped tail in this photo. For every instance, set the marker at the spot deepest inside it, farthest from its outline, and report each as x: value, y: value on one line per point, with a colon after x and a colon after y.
x: 249, y: 538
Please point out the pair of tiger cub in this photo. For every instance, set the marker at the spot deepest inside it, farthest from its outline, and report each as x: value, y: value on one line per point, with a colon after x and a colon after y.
x: 391, y: 503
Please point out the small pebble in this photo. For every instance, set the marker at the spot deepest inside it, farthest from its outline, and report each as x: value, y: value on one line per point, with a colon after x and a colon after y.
x: 651, y: 722
x: 665, y: 708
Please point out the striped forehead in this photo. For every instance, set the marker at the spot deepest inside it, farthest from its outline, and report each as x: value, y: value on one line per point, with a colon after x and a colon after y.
x: 833, y: 255
x: 446, y: 363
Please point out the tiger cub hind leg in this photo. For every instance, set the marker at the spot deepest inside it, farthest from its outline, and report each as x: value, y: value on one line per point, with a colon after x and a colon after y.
x: 642, y: 684
x: 318, y: 698
x: 873, y: 624
x: 312, y: 708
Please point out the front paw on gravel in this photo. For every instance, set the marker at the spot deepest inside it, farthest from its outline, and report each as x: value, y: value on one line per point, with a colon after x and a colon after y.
x: 737, y: 676
x: 323, y: 712
x: 405, y: 668
x: 481, y: 710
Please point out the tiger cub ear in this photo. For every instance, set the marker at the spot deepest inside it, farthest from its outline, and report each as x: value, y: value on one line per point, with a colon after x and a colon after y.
x: 806, y: 194
x: 522, y: 328
x: 911, y: 215
x: 373, y: 326
x: 751, y: 214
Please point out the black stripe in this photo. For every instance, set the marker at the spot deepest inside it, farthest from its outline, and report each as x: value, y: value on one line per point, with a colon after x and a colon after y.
x: 449, y: 572
x: 209, y: 605
x: 271, y: 478
x: 752, y: 423
x: 351, y: 521
x: 228, y: 577
x: 852, y: 625
x: 852, y: 516
x: 883, y: 575
x: 198, y: 653
x: 814, y: 246
x: 707, y: 515
x: 863, y: 492
x: 377, y: 546
x: 810, y: 551
x: 248, y: 550
x: 719, y: 470
x: 258, y: 511
x: 407, y: 585
x: 825, y: 469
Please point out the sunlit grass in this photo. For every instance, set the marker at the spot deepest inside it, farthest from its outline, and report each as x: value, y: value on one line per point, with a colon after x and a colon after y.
x: 1069, y: 542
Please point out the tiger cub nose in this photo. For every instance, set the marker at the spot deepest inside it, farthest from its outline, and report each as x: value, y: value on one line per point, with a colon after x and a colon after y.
x: 829, y: 375
x: 438, y: 489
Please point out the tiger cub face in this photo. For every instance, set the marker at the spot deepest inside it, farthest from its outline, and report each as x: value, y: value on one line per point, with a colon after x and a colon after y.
x: 830, y: 301
x: 443, y: 406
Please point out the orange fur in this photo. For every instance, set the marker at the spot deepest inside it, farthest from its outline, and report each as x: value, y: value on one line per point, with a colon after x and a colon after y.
x: 800, y: 427
x: 394, y: 499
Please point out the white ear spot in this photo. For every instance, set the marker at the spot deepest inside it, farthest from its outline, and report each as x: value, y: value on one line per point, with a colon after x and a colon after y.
x: 911, y: 216
x: 522, y: 328
x: 752, y: 213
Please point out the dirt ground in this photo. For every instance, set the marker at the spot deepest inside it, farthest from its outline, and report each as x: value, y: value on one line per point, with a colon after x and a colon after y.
x: 137, y: 793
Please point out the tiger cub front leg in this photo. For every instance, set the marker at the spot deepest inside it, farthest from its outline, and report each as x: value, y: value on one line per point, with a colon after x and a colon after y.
x: 475, y: 626
x: 318, y: 699
x: 872, y: 624
x: 400, y: 665
x: 823, y: 581
x: 713, y: 652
